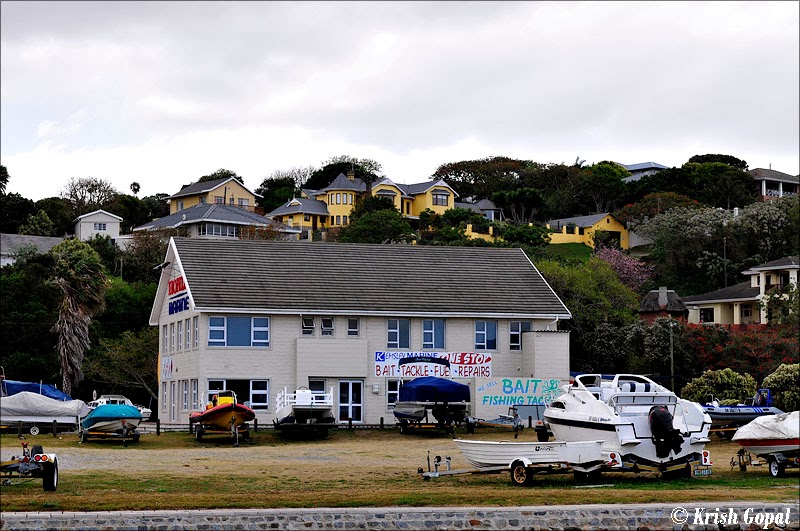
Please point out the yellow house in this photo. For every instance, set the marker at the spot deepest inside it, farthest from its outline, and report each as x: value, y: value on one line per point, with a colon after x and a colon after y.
x: 227, y: 191
x: 332, y: 206
x: 583, y: 229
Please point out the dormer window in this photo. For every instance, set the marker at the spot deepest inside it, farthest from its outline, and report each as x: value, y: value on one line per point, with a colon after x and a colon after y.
x: 440, y: 198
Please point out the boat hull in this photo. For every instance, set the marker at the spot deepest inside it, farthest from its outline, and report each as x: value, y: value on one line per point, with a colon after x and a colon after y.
x: 770, y: 446
x: 737, y: 415
x: 485, y: 454
x: 223, y: 417
x: 112, y: 418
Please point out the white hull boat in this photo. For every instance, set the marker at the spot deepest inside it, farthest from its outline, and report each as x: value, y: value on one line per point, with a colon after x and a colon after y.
x: 773, y: 434
x: 304, y: 412
x: 645, y: 424
x: 486, y: 454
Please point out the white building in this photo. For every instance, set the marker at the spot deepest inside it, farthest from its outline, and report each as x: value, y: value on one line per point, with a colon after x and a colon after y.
x: 261, y: 316
x: 97, y: 223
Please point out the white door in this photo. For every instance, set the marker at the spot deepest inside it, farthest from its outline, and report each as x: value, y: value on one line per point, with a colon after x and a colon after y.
x: 351, y: 400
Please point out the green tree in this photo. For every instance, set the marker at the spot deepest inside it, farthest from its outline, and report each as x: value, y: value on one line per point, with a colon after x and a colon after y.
x: 375, y: 220
x: 145, y: 251
x: 135, y: 187
x: 79, y: 275
x: 367, y: 170
x: 221, y: 173
x: 725, y: 159
x: 527, y: 235
x: 519, y: 205
x: 275, y: 191
x: 726, y: 386
x: 784, y: 384
x: 652, y: 205
x: 604, y: 184
x: 594, y: 294
x: 108, y: 251
x: 87, y: 194
x: 481, y: 178
x: 127, y: 363
x: 14, y: 211
x: 61, y: 213
x: 783, y: 305
x: 38, y: 224
x: 3, y: 179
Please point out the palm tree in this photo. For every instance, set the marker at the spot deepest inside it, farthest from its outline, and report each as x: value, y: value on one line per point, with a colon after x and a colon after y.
x: 81, y: 277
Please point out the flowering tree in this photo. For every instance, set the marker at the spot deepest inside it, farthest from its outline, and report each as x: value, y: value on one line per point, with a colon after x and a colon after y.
x: 632, y: 272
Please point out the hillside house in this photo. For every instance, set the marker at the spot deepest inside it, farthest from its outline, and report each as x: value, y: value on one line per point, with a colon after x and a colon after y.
x: 584, y: 229
x: 228, y: 191
x: 772, y: 184
x: 97, y: 223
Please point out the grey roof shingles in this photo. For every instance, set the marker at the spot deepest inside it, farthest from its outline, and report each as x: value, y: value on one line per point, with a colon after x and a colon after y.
x: 365, y: 279
x: 210, y: 212
x: 12, y: 243
x: 578, y: 221
x: 741, y: 291
x: 204, y: 187
x: 301, y: 205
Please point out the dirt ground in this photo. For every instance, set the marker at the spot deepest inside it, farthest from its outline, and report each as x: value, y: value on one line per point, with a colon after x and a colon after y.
x: 364, y: 450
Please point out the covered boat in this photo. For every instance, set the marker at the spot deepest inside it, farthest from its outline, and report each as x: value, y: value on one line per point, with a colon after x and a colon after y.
x: 111, y: 420
x: 34, y: 410
x: 445, y: 399
x: 223, y: 415
x: 766, y: 435
x: 649, y: 426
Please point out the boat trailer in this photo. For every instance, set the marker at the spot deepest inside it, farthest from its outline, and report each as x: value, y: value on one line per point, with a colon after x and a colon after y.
x: 33, y: 463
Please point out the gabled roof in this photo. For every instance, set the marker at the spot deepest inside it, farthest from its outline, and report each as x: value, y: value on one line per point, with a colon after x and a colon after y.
x: 12, y: 243
x: 352, y: 279
x: 341, y: 182
x: 301, y: 205
x: 421, y: 188
x: 762, y: 174
x: 740, y: 292
x: 640, y: 166
x: 97, y: 212
x: 578, y: 221
x: 481, y: 206
x: 787, y: 262
x: 207, y: 186
x: 215, y: 213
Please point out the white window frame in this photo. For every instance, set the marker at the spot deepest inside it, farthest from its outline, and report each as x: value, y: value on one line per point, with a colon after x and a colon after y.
x: 165, y: 340
x: 265, y: 392
x: 196, y: 326
x: 481, y: 336
x: 429, y: 339
x: 326, y: 325
x: 185, y: 394
x: 515, y: 330
x: 353, y: 327
x: 308, y: 325
x: 187, y: 325
x: 216, y: 328
x: 253, y: 329
x: 180, y: 335
x: 163, y: 396
x: 194, y: 389
x: 172, y: 337
x: 393, y: 386
x: 396, y: 330
x: 211, y: 392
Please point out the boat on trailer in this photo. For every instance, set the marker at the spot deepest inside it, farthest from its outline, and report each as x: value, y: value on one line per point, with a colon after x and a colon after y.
x: 224, y: 415
x: 775, y: 438
x: 111, y: 420
x: 725, y: 419
x: 446, y: 400
x: 304, y: 413
x: 647, y: 425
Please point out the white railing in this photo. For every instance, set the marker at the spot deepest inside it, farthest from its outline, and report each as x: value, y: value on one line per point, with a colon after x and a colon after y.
x: 303, y: 397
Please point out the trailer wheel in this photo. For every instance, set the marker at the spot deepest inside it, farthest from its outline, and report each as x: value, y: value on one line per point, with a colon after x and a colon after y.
x: 198, y: 434
x: 520, y: 475
x: 50, y: 477
x: 34, y: 430
x: 776, y: 470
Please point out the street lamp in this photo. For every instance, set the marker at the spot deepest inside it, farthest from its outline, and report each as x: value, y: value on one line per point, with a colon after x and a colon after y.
x: 671, y: 356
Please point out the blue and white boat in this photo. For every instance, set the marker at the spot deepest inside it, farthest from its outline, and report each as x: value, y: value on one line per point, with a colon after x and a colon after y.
x: 111, y: 419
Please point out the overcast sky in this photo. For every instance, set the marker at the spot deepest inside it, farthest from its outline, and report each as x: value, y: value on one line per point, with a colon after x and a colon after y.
x: 162, y: 93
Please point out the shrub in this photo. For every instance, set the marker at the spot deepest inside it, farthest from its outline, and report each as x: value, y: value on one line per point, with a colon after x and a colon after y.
x: 785, y: 386
x: 725, y: 385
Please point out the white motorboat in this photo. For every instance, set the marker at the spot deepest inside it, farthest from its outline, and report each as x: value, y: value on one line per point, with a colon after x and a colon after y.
x: 119, y: 400
x: 486, y: 454
x: 304, y: 412
x: 648, y: 425
x: 772, y: 434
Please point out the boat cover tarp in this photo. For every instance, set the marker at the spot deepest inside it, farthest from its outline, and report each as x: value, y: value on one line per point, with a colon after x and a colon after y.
x: 433, y: 389
x: 109, y: 412
x: 26, y: 404
x: 13, y: 387
x: 783, y: 426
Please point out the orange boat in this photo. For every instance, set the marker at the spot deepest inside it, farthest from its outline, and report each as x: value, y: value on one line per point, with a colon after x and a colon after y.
x: 223, y: 415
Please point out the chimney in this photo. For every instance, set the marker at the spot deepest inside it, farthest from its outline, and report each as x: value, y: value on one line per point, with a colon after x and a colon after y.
x: 351, y: 174
x: 662, y: 297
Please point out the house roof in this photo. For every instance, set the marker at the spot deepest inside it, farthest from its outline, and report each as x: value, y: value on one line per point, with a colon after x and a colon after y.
x: 762, y: 174
x: 787, y: 262
x: 97, y: 212
x: 301, y: 205
x: 740, y: 292
x: 578, y: 221
x: 341, y: 182
x: 640, y: 166
x: 359, y: 279
x: 662, y: 300
x: 215, y: 213
x: 206, y: 186
x: 11, y: 243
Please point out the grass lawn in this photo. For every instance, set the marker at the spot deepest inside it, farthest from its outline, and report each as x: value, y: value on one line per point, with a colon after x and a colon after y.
x: 578, y: 251
x: 348, y: 469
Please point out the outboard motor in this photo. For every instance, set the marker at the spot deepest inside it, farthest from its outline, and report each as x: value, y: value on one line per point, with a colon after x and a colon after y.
x: 665, y: 436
